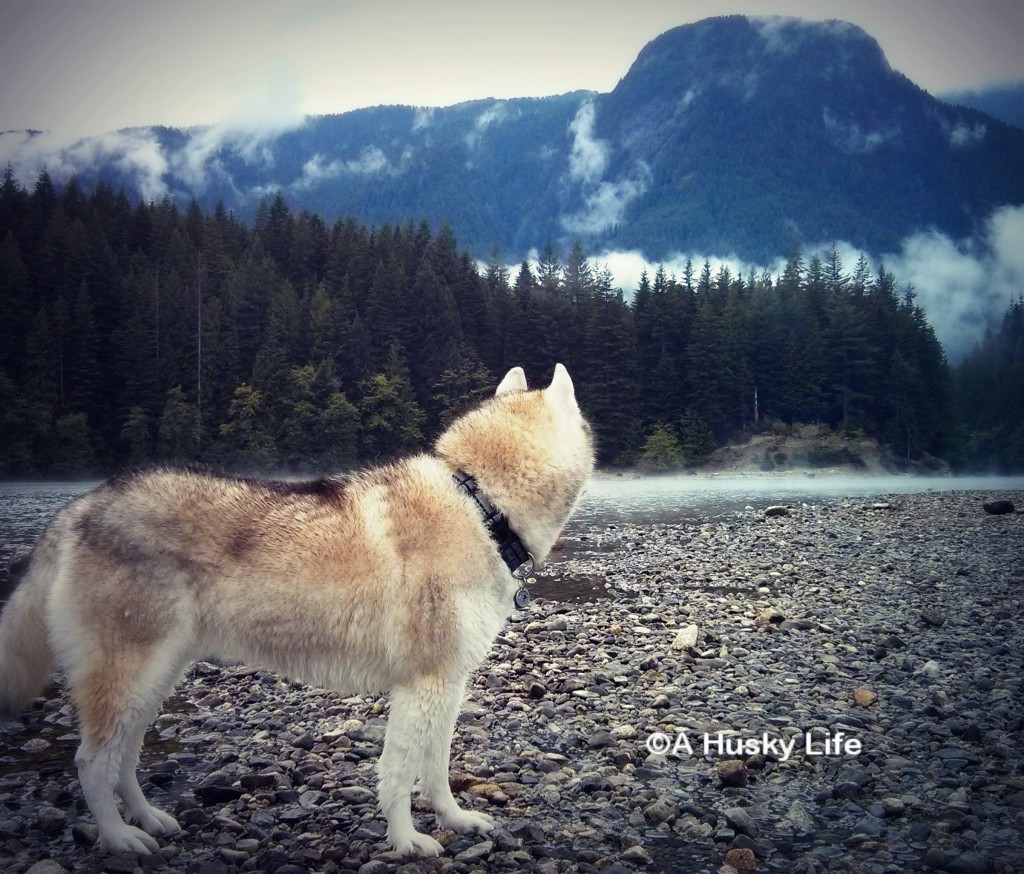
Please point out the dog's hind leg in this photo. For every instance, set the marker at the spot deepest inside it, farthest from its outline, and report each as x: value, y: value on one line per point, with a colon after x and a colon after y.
x: 117, y: 698
x: 151, y: 819
x: 418, y: 743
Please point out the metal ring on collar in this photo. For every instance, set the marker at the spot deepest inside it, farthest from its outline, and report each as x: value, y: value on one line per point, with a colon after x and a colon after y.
x: 526, y: 568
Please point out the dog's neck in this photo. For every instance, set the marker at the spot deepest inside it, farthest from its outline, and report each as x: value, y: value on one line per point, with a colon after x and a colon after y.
x: 510, y: 547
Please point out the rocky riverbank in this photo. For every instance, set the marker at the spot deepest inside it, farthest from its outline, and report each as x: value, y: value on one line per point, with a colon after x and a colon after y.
x: 889, y: 625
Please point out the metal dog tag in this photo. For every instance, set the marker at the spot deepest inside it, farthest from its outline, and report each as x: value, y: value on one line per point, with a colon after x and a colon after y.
x: 521, y: 598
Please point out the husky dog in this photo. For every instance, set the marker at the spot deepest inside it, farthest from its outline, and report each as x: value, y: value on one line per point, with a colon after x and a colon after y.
x: 389, y: 580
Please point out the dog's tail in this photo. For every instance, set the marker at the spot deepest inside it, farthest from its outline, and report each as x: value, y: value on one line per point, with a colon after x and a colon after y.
x: 26, y: 658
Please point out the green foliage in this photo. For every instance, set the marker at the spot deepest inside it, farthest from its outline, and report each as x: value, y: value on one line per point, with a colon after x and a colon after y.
x: 247, y: 430
x: 390, y: 415
x: 661, y: 451
x: 696, y: 441
x: 177, y: 439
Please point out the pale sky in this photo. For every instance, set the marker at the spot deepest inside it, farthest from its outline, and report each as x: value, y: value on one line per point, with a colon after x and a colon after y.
x: 79, y: 67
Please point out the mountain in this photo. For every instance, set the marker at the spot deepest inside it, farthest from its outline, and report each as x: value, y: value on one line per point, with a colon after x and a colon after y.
x: 732, y: 135
x: 1005, y: 102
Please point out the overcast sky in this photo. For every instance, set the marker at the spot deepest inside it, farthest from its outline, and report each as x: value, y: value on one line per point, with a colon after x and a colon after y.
x: 77, y: 67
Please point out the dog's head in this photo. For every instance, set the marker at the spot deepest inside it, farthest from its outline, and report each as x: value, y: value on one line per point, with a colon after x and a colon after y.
x: 532, y: 452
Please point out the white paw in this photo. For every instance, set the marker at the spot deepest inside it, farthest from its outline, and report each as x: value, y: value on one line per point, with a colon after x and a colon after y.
x: 128, y: 839
x: 465, y: 821
x: 415, y: 844
x: 155, y: 822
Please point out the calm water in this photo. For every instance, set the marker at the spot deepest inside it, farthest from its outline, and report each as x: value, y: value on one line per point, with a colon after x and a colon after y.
x: 697, y: 498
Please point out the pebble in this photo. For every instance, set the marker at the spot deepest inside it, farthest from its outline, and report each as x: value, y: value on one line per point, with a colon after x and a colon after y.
x: 800, y: 622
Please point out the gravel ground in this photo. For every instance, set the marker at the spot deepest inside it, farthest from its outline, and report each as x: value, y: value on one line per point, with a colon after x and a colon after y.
x: 763, y: 649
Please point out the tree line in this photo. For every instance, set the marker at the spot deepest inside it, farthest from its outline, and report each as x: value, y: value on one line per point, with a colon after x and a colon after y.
x: 145, y: 332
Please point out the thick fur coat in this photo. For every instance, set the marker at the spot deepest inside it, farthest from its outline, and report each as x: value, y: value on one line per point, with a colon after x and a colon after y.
x: 383, y: 581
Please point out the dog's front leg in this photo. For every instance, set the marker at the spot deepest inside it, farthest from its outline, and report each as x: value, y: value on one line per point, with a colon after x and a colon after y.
x: 418, y: 743
x: 434, y: 783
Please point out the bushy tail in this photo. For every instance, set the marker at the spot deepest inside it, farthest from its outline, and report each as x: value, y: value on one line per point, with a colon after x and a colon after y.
x: 26, y: 659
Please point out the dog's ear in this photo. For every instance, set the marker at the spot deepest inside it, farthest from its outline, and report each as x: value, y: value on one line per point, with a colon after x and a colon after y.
x: 515, y: 380
x: 561, y: 388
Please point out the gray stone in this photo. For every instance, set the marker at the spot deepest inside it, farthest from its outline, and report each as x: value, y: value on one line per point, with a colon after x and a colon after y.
x: 476, y: 853
x: 998, y: 508
x: 969, y: 863
x: 686, y: 638
x: 50, y: 820
x: 662, y: 810
x: 356, y: 795
x: 600, y: 739
x: 741, y: 821
x: 636, y: 855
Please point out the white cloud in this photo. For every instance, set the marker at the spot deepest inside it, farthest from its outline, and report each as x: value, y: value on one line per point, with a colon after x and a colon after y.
x: 588, y: 157
x: 782, y: 34
x: 424, y: 117
x: 496, y: 114
x: 371, y: 162
x: 965, y: 286
x: 850, y: 137
x: 137, y: 153
x: 604, y: 201
x: 605, y: 206
x: 271, y: 107
x: 962, y: 135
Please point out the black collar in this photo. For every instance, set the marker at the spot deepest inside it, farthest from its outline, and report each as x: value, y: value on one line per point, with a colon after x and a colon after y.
x: 511, y: 549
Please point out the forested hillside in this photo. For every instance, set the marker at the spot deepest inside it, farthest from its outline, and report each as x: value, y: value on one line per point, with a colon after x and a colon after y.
x: 141, y: 332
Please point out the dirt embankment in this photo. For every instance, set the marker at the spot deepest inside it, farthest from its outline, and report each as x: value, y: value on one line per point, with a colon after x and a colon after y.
x: 814, y: 449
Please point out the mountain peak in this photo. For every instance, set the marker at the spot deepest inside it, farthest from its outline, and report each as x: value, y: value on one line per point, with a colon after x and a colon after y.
x: 736, y: 51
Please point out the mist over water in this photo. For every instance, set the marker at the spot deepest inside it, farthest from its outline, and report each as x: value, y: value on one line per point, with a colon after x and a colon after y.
x: 697, y: 498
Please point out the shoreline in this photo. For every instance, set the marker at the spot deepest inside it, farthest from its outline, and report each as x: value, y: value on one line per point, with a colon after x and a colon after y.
x: 895, y: 624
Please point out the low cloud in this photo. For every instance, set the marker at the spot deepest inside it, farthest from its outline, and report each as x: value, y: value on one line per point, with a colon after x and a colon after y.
x: 136, y: 152
x: 423, y: 118
x: 782, y: 34
x: 605, y: 205
x: 272, y: 107
x: 249, y: 130
x: 604, y: 201
x: 962, y: 135
x: 496, y: 114
x: 964, y: 287
x: 852, y: 138
x: 588, y: 156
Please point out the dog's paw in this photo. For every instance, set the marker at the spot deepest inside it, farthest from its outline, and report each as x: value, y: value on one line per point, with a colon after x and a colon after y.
x: 128, y: 839
x: 465, y: 821
x: 154, y: 821
x: 415, y: 844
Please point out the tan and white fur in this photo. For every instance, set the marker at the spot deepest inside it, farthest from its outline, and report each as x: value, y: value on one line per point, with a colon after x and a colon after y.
x: 383, y: 581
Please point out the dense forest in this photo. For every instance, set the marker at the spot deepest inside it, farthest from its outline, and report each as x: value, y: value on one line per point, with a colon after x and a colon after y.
x: 140, y: 332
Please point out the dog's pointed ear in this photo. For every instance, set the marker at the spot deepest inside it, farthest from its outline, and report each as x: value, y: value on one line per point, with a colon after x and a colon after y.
x: 515, y: 380
x: 561, y: 388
